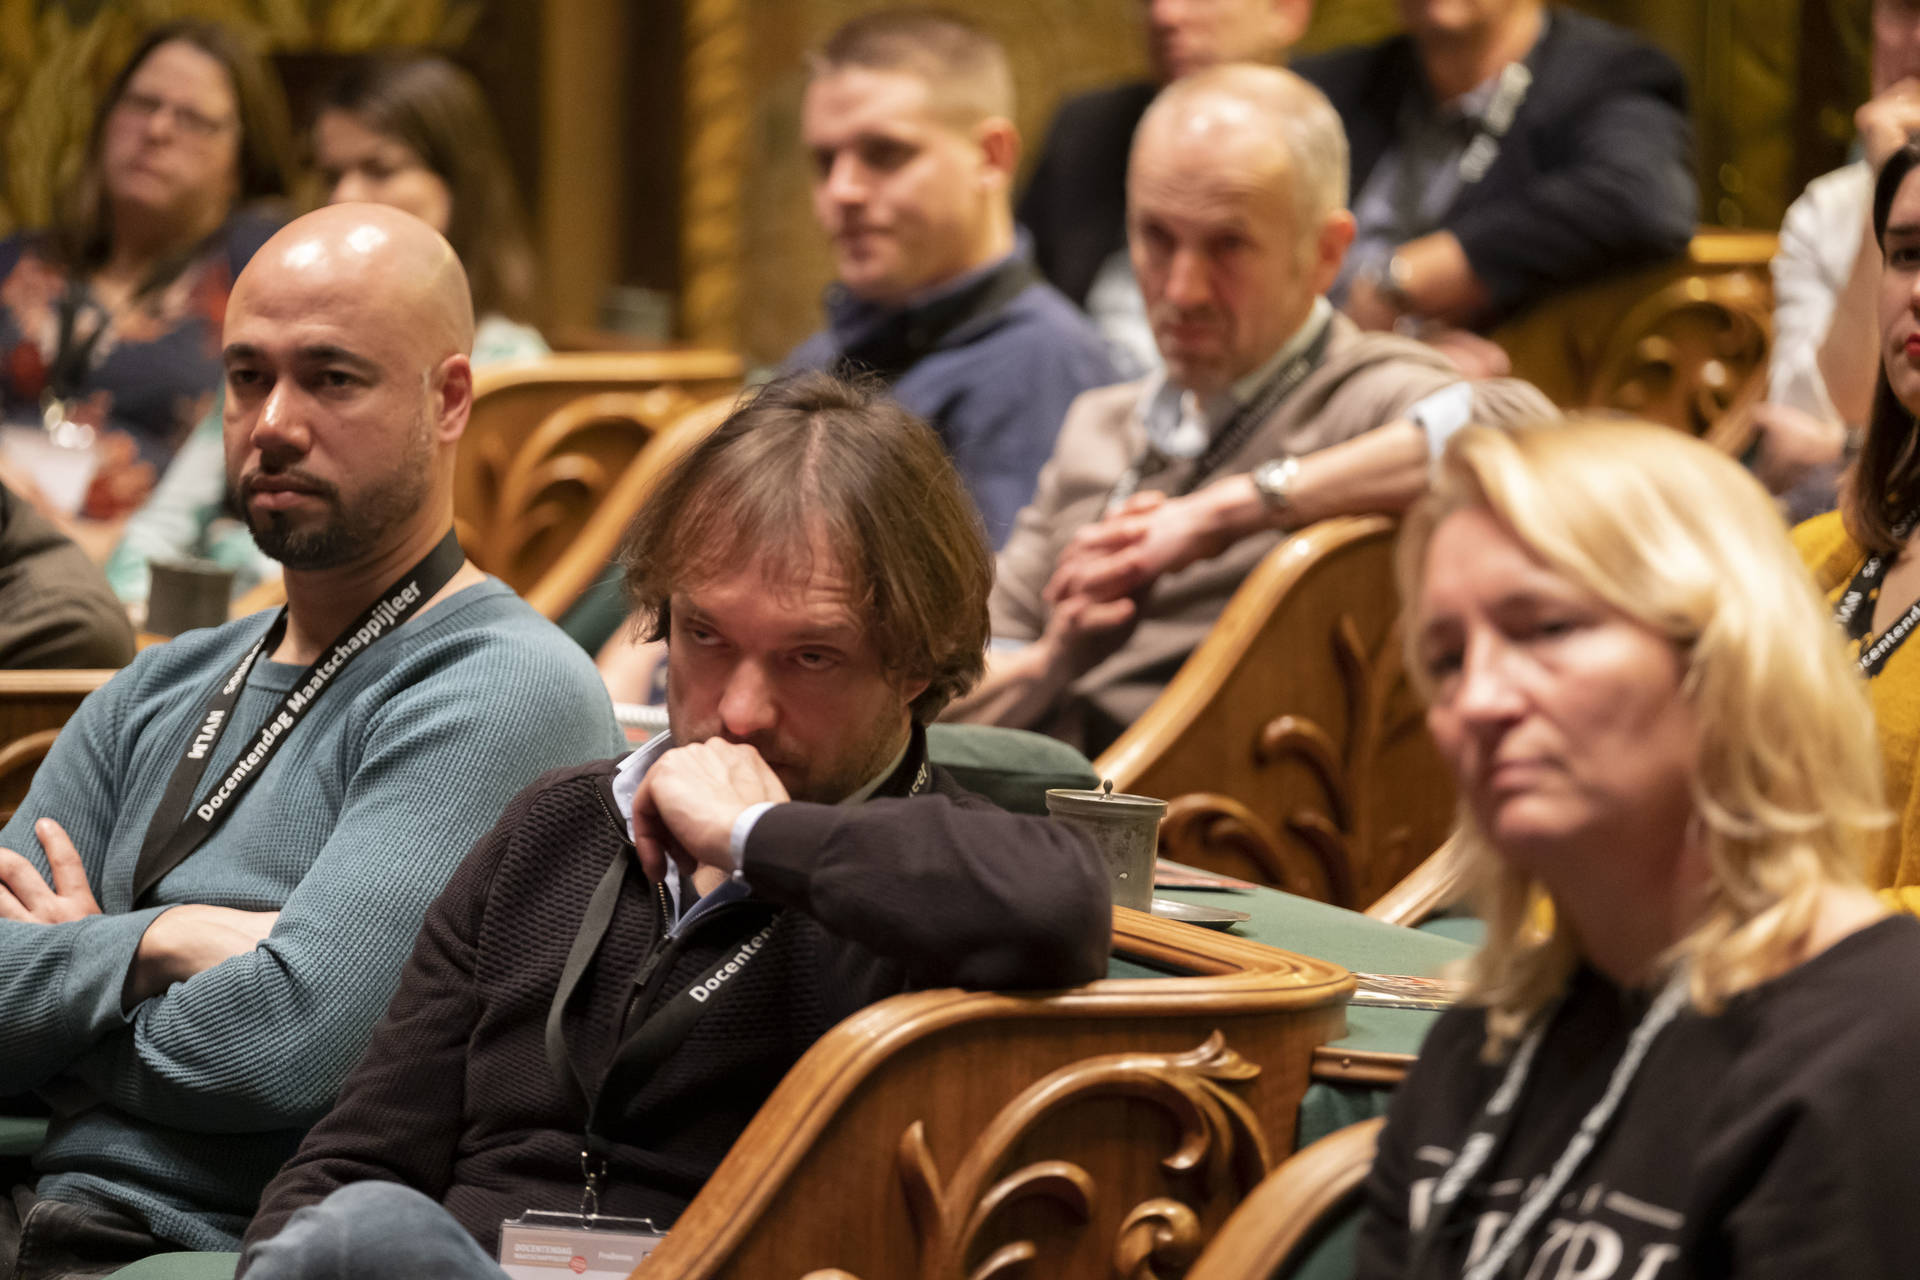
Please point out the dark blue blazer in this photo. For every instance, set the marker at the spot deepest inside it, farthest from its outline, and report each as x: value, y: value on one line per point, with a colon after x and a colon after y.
x: 1594, y: 177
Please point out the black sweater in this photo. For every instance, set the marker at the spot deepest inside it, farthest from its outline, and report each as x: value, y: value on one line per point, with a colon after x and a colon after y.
x: 455, y: 1097
x: 1776, y: 1139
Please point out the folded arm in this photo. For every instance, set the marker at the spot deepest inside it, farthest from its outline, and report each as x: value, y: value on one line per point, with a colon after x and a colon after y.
x: 1622, y: 194
x: 262, y: 1040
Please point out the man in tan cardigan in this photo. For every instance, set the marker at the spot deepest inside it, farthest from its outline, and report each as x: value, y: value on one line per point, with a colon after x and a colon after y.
x: 1273, y: 412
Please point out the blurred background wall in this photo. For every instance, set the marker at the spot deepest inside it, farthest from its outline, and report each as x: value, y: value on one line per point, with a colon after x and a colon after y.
x: 657, y: 140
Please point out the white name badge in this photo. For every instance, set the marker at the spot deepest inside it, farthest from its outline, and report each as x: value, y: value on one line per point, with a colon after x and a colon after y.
x: 549, y: 1246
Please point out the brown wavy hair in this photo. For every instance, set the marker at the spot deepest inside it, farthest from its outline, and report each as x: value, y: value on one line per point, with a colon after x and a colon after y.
x: 810, y: 452
x: 438, y: 111
x: 83, y: 230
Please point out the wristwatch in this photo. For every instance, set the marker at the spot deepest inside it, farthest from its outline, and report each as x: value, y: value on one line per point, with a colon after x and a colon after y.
x: 1274, y: 480
x: 1392, y: 278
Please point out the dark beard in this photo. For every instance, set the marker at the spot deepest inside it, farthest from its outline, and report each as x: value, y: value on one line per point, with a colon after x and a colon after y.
x: 326, y: 547
x: 353, y: 531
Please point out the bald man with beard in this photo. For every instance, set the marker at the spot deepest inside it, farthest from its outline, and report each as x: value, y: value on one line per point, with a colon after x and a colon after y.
x: 207, y: 896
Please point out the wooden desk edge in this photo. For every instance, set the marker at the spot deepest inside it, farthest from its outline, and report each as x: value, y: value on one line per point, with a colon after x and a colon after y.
x: 1227, y: 975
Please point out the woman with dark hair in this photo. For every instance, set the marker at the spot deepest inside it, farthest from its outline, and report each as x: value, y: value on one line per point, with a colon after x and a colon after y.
x: 412, y: 132
x: 415, y: 133
x: 1864, y: 556
x: 110, y: 322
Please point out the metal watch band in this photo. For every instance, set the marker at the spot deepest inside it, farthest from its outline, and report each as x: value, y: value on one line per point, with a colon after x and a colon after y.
x: 1274, y: 480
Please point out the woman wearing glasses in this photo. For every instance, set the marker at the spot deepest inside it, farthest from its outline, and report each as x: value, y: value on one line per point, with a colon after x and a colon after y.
x: 1687, y: 1046
x: 409, y: 131
x: 110, y: 322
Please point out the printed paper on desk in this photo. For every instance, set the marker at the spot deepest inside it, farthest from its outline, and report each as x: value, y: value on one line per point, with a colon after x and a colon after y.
x: 551, y: 1253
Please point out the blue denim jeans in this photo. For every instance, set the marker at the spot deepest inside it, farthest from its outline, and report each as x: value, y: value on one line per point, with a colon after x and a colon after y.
x: 368, y: 1230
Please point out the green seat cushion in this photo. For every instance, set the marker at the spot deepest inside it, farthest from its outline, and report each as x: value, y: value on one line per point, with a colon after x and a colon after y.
x: 597, y: 614
x: 1011, y: 767
x: 181, y: 1266
x: 21, y: 1135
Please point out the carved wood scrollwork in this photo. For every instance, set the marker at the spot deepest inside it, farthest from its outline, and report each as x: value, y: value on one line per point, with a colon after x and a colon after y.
x: 18, y: 761
x: 538, y: 491
x: 1324, y: 844
x: 1202, y: 825
x: 1221, y: 1149
x: 1684, y: 355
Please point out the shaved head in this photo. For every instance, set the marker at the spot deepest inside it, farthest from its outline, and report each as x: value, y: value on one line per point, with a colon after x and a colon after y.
x: 1271, y: 125
x: 395, y: 256
x: 348, y: 387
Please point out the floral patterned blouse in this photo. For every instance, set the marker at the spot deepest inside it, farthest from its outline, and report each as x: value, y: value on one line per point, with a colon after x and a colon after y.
x: 152, y: 372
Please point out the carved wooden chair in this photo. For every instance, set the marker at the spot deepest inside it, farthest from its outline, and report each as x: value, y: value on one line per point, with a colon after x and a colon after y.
x: 1437, y: 883
x: 556, y: 457
x: 33, y: 706
x: 1289, y: 746
x: 1298, y: 1210
x: 1684, y: 343
x: 1104, y: 1131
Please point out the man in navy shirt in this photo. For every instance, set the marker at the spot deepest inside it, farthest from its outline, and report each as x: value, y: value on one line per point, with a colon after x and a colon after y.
x: 908, y: 121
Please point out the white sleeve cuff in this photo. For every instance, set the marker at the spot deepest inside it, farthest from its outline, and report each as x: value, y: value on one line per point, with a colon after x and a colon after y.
x: 742, y: 828
x: 1441, y: 414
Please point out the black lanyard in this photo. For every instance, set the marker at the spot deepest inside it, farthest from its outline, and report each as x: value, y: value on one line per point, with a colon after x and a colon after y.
x: 1412, y: 200
x: 638, y: 1055
x: 660, y: 1033
x: 896, y: 345
x: 1234, y: 433
x: 177, y: 829
x: 1495, y: 1125
x: 1854, y: 611
x: 73, y: 354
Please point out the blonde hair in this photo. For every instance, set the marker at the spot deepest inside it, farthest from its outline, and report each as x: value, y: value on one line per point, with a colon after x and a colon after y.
x: 1787, y: 784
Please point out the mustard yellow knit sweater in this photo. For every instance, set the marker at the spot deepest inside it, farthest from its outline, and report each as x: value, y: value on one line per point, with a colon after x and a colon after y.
x: 1833, y: 558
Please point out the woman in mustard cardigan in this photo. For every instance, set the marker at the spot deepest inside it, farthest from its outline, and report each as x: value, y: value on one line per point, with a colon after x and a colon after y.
x: 1866, y: 556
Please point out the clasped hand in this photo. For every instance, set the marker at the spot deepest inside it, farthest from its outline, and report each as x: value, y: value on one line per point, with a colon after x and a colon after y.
x: 688, y: 802
x: 1145, y: 537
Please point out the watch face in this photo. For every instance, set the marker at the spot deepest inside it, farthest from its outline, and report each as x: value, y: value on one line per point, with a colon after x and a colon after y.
x: 1272, y: 479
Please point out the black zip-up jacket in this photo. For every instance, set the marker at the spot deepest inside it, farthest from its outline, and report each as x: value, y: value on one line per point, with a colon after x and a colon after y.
x: 455, y: 1096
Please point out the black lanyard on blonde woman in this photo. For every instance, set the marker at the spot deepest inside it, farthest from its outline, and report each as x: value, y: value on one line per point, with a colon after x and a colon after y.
x: 1495, y: 1124
x: 1854, y: 612
x: 178, y: 828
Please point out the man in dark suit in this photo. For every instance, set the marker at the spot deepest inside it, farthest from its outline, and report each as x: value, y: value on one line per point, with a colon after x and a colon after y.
x: 1503, y: 151
x: 1075, y: 204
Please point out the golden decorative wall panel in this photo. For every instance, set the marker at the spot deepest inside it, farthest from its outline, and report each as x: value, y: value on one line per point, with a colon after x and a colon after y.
x: 57, y: 58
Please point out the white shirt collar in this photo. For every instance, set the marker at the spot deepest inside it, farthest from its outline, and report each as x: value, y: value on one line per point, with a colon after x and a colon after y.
x: 1180, y: 424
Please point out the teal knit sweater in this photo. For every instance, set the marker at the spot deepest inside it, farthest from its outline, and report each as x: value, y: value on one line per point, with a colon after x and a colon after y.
x: 179, y: 1112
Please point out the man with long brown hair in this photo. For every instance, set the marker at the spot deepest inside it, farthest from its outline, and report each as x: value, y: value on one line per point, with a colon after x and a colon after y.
x: 782, y: 857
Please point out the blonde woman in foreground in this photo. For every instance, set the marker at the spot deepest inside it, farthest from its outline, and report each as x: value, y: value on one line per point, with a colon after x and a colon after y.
x: 1702, y: 1066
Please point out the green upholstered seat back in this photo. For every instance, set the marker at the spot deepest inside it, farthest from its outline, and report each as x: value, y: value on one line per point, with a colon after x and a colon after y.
x: 1011, y: 767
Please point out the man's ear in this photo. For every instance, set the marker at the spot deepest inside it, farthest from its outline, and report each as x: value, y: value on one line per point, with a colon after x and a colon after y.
x: 452, y: 385
x: 999, y: 143
x: 1330, y: 248
x: 1290, y: 21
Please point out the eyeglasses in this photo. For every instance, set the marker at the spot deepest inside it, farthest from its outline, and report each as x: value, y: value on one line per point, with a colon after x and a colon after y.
x: 144, y: 107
